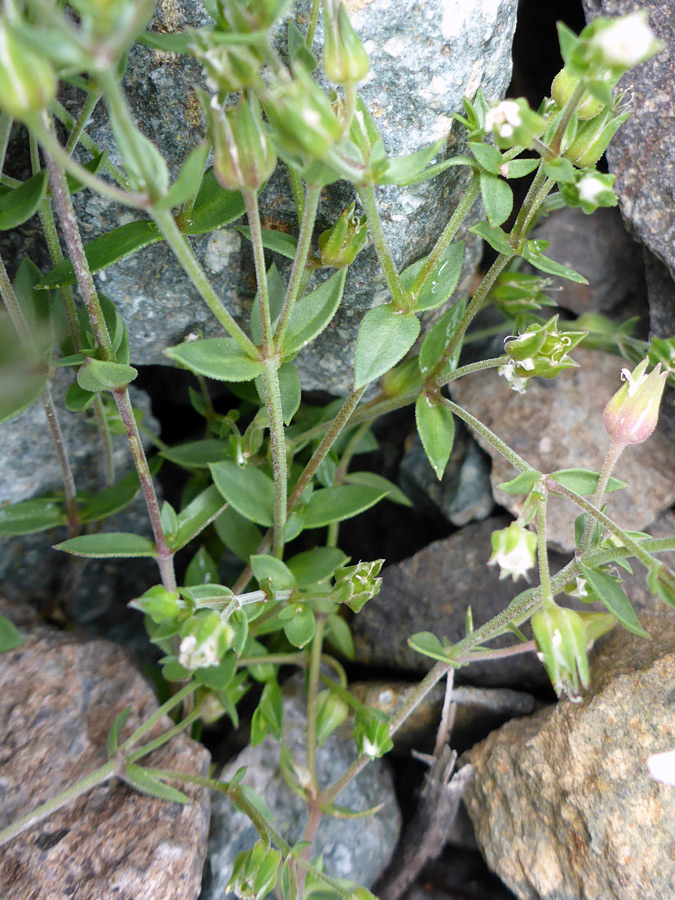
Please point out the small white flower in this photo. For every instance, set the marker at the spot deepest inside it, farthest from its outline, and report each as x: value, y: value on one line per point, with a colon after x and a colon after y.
x: 662, y: 767
x: 590, y: 188
x: 504, y: 118
x: 633, y: 383
x: 626, y: 42
x: 580, y: 590
x: 370, y: 749
x: 193, y: 657
x: 514, y: 381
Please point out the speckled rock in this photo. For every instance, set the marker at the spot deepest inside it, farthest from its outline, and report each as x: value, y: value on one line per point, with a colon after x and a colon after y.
x: 58, y: 698
x: 642, y: 155
x: 562, y: 803
x: 356, y: 849
x: 558, y: 425
x: 426, y: 55
x: 431, y: 592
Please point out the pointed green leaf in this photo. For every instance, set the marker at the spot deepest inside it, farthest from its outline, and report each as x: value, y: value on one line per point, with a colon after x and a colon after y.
x: 441, y: 281
x: 196, y: 516
x: 495, y: 237
x: 311, y: 567
x: 384, y: 338
x: 18, y: 204
x: 10, y: 638
x: 614, y: 598
x: 437, y: 168
x: 436, y: 428
x: 218, y: 677
x: 301, y: 628
x: 518, y: 168
x: 214, y: 206
x: 23, y: 393
x: 372, y: 479
x: 105, y: 250
x: 186, y: 183
x: 497, y: 198
x: 108, y: 545
x: 93, y: 165
x: 115, y: 497
x: 112, y: 740
x: 249, y: 490
x: 312, y: 313
x: 532, y: 252
x: 335, y: 504
x: 197, y: 454
x: 96, y: 375
x: 487, y: 156
x: 280, y: 575
x: 291, y: 393
x: 276, y: 241
x: 219, y: 358
x: 521, y: 484
x: 401, y: 169
x: 147, y: 783
x: 77, y: 399
x: 584, y: 481
x: 31, y: 516
x: 237, y: 533
x: 437, y: 339
x: 428, y: 644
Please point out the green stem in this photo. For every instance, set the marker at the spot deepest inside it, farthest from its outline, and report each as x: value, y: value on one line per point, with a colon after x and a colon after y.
x: 165, y: 737
x: 616, y: 448
x: 77, y: 130
x: 109, y: 770
x: 89, y: 145
x: 311, y: 28
x: 542, y: 556
x: 493, y: 363
x: 253, y: 215
x: 449, y: 232
x: 349, y: 107
x: 516, y: 461
x: 300, y: 260
x: 297, y: 190
x: 185, y: 256
x: 568, y: 111
x: 106, y: 441
x: 163, y: 710
x: 399, y: 298
x: 6, y: 123
x: 312, y: 694
x: 272, y: 395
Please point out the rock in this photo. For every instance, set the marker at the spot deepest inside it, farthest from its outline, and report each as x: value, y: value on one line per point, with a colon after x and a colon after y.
x: 431, y: 592
x: 562, y: 803
x: 600, y: 249
x: 463, y: 494
x: 558, y: 425
x: 425, y: 55
x: 661, y: 292
x: 642, y: 155
x: 355, y: 849
x: 58, y: 698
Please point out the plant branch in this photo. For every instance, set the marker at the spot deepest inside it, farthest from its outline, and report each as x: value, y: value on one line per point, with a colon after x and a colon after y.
x: 399, y: 297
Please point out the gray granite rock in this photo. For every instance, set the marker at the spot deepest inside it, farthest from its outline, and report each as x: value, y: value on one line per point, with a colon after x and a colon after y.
x: 355, y: 849
x: 58, y: 698
x: 642, y: 155
x: 463, y: 494
x: 431, y: 592
x: 562, y: 803
x: 558, y: 425
x: 426, y: 55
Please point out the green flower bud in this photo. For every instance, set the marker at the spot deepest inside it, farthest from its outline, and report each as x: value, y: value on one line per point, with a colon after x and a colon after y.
x: 331, y: 711
x: 593, y: 138
x: 514, y: 550
x: 355, y: 585
x: 514, y: 124
x: 229, y: 67
x: 371, y: 734
x: 255, y: 872
x: 302, y: 117
x: 251, y: 15
x: 205, y: 640
x: 541, y: 351
x: 27, y: 80
x: 160, y: 604
x: 243, y: 155
x: 341, y: 244
x: 517, y: 292
x: 344, y: 58
x: 562, y: 89
x: 591, y: 190
x: 561, y: 639
x: 631, y: 415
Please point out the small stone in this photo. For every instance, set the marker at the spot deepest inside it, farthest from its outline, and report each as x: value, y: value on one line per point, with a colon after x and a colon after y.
x: 558, y: 425
x: 58, y: 699
x: 355, y: 849
x: 562, y: 803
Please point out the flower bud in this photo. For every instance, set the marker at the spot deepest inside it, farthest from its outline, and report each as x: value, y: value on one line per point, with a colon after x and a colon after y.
x: 631, y: 415
x: 27, y: 80
x: 255, y: 872
x: 371, y: 734
x: 355, y: 585
x: 593, y: 138
x: 159, y: 604
x: 340, y: 245
x: 514, y: 550
x: 244, y: 16
x: 331, y: 711
x: 624, y: 42
x: 344, y: 58
x: 205, y: 639
x: 243, y: 155
x: 302, y: 117
x: 518, y: 292
x: 229, y: 67
x: 541, y: 351
x: 591, y: 190
x: 514, y: 124
x: 561, y: 639
x: 562, y: 89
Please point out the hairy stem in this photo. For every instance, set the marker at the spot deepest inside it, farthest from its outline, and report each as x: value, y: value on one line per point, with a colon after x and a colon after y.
x: 616, y: 448
x: 399, y: 298
x: 272, y: 395
x: 542, y: 555
x: 312, y: 694
x: 516, y: 461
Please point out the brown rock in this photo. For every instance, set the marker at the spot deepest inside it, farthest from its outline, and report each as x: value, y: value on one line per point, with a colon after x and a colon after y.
x: 558, y: 425
x: 58, y: 699
x: 562, y: 803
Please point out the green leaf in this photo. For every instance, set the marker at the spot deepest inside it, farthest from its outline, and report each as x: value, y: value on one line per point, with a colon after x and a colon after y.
x: 147, y: 783
x: 584, y: 481
x: 24, y: 393
x: 77, y: 399
x: 214, y: 206
x: 219, y: 358
x: 108, y: 545
x: 401, y: 169
x: 441, y: 281
x: 34, y: 304
x: 312, y: 313
x: 197, y: 454
x: 435, y: 170
x: 18, y: 204
x: 112, y: 741
x: 384, y: 338
x: 279, y: 574
x: 487, y: 156
x: 560, y: 170
x: 300, y: 629
x: 10, y: 638
x: 218, y: 677
x: 518, y: 168
x: 614, y: 598
x: 196, y: 516
x: 189, y: 178
x: 276, y: 290
x: 497, y: 198
x: 428, y: 644
x: 291, y: 393
x: 521, y: 484
x: 532, y: 252
x: 239, y: 535
x: 436, y: 428
x: 31, y: 516
x: 201, y: 569
x: 179, y: 42
x: 249, y: 490
x: 93, y: 165
x: 115, y: 497
x: 339, y: 635
x: 495, y: 237
x: 335, y: 504
x: 105, y: 250
x: 438, y: 338
x: 372, y: 479
x: 276, y: 241
x: 297, y: 48
x: 97, y: 375
x: 312, y: 567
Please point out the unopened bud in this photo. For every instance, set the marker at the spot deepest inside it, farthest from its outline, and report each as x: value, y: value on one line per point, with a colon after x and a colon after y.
x: 243, y: 155
x: 159, y: 603
x: 229, y: 67
x: 344, y: 58
x: 331, y: 711
x: 355, y: 585
x: 624, y: 42
x: 590, y: 191
x: 541, y: 351
x: 593, y: 138
x: 514, y: 550
x: 255, y: 872
x: 631, y: 415
x: 340, y: 245
x: 561, y: 639
x: 371, y: 735
x: 564, y: 85
x: 27, y: 80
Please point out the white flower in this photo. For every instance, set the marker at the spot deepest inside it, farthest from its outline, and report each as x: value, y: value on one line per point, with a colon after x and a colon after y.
x: 627, y: 41
x: 504, y: 118
x: 590, y: 188
x: 193, y: 657
x: 662, y: 767
x: 513, y: 550
x: 633, y: 383
x: 370, y: 749
x: 515, y: 382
